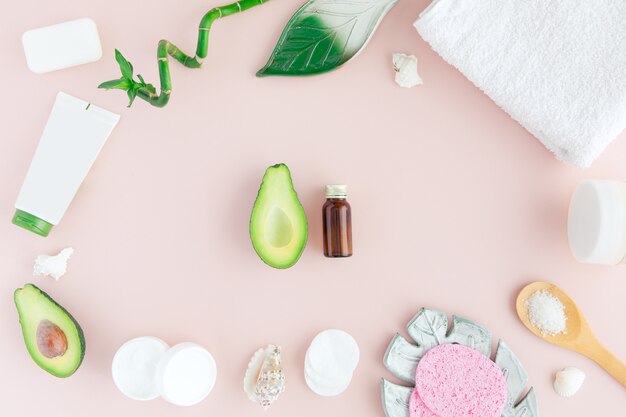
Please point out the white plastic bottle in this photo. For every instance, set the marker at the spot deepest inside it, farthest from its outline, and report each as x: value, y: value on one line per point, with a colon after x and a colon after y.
x: 74, y: 134
x: 597, y: 222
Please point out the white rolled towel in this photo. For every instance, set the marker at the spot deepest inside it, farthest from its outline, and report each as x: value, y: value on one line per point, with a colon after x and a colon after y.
x: 557, y: 67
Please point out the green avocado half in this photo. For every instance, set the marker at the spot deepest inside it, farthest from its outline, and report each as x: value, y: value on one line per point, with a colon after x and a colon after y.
x: 278, y: 226
x: 53, y: 338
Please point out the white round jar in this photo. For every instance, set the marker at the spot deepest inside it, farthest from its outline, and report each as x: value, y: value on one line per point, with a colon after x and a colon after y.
x: 596, y: 224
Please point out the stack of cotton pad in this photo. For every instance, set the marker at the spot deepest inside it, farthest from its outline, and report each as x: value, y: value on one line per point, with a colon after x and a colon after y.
x: 330, y: 362
x: 456, y: 381
x: 146, y: 367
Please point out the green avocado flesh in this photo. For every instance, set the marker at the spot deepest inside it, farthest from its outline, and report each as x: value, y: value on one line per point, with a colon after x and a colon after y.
x: 278, y: 226
x: 53, y: 338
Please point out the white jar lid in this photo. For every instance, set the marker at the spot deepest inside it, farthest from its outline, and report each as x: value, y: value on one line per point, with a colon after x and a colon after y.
x: 597, y: 222
x: 134, y: 367
x: 186, y: 374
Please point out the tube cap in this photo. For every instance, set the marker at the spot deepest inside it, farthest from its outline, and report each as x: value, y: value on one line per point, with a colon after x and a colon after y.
x: 31, y: 223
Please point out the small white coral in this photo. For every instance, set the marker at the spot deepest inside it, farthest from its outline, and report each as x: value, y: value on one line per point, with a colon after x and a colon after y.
x: 53, y: 266
x: 568, y: 381
x: 405, y: 67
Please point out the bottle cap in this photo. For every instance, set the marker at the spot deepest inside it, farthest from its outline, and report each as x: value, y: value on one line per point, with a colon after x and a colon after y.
x: 32, y: 223
x: 336, y: 191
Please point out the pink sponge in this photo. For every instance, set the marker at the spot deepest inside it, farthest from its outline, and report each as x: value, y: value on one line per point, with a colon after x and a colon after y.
x: 456, y: 381
x: 417, y: 408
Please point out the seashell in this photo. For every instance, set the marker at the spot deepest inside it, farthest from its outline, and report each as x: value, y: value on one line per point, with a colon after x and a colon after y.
x: 405, y: 67
x: 264, y: 380
x: 568, y: 381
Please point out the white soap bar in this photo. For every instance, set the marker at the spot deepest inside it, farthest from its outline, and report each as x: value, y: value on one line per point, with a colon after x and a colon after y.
x: 61, y: 46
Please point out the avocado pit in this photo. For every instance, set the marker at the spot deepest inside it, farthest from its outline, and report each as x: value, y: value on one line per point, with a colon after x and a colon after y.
x: 51, y: 340
x: 279, y: 230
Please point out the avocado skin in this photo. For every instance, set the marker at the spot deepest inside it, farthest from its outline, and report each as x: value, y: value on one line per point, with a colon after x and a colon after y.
x: 79, y: 330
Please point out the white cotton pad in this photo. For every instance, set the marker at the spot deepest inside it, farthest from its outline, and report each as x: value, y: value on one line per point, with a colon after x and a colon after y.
x: 333, y: 354
x: 134, y: 367
x: 321, y: 388
x: 62, y: 45
x: 186, y: 374
x: 329, y: 382
x: 330, y: 362
x: 322, y: 385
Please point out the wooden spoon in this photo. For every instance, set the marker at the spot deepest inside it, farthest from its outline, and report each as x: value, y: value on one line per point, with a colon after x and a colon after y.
x: 578, y: 337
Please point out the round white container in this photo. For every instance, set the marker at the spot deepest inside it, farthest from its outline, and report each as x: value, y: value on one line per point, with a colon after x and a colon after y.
x: 597, y: 222
x: 146, y: 367
x: 186, y: 374
x: 134, y: 367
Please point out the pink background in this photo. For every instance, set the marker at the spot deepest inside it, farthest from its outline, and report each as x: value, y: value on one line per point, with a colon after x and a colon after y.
x: 455, y: 206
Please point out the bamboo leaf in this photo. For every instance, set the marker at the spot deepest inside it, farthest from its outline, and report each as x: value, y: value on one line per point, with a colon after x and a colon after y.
x: 150, y: 88
x: 120, y: 84
x: 132, y: 93
x: 145, y: 85
x: 325, y: 34
x: 125, y: 67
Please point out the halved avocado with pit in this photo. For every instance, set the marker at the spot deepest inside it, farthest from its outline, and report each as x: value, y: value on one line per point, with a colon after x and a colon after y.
x: 52, y: 336
x: 278, y: 226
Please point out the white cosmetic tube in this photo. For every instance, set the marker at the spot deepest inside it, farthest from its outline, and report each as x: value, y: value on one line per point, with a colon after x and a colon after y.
x: 73, y: 136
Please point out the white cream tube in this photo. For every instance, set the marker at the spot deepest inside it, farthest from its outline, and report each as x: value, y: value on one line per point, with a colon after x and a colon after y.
x: 73, y: 136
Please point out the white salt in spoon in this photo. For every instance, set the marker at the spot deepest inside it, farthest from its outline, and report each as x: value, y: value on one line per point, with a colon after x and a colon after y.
x: 578, y: 335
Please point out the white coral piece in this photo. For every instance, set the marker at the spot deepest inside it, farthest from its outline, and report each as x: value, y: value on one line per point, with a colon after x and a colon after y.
x: 405, y: 67
x: 53, y: 266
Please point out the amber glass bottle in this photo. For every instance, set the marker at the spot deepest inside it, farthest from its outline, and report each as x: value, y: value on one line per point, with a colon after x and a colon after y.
x: 337, y: 219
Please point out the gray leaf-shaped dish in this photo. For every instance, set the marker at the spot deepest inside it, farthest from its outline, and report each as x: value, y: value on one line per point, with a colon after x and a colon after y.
x: 429, y: 328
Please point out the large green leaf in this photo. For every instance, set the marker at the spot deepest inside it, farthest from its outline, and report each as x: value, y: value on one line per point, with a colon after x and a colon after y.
x: 325, y: 34
x: 429, y: 328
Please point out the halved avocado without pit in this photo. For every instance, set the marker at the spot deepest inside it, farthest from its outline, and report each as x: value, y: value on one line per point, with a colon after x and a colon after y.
x: 53, y: 338
x: 278, y: 226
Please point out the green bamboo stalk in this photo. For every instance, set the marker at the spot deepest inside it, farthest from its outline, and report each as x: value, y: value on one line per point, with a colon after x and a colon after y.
x: 139, y: 88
